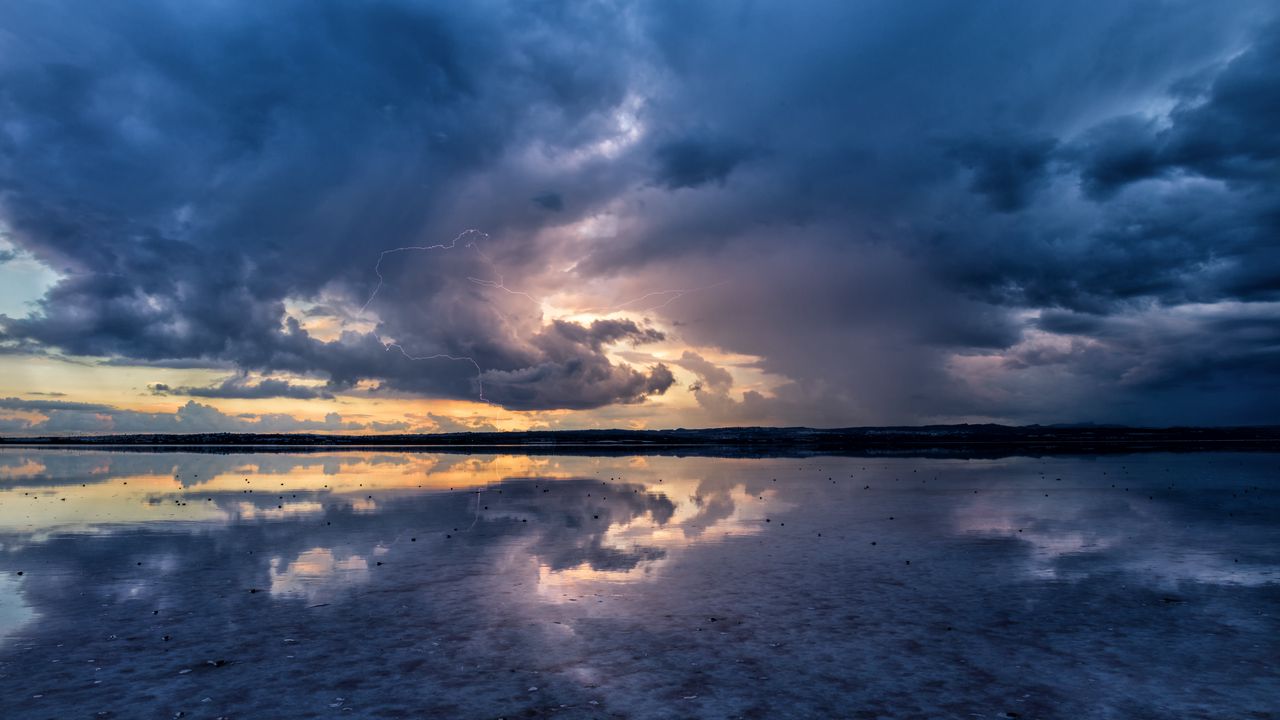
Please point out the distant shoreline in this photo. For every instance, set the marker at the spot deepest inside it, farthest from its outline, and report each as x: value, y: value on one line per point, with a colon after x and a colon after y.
x: 951, y: 440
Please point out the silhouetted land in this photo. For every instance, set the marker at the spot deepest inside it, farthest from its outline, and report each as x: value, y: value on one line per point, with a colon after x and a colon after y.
x: 945, y: 440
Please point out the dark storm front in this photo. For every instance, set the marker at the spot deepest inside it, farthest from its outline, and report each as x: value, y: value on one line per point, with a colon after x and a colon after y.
x: 387, y: 584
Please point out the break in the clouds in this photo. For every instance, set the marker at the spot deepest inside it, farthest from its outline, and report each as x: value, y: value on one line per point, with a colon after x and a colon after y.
x: 886, y: 212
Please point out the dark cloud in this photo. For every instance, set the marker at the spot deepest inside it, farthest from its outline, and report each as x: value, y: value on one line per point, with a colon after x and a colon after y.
x: 1005, y: 168
x: 1225, y: 131
x: 191, y: 168
x: 690, y: 162
x: 240, y: 387
x: 13, y: 403
x: 889, y: 191
x: 1155, y: 366
x: 573, y: 369
x: 549, y: 201
x: 1210, y: 347
x: 1116, y: 153
x: 1069, y: 323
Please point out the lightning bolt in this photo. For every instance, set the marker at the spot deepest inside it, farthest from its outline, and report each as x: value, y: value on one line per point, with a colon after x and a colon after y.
x: 388, y: 346
x: 442, y: 356
x: 500, y: 283
x: 377, y: 268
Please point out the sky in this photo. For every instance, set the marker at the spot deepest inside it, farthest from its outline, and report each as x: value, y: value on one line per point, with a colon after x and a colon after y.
x: 410, y: 216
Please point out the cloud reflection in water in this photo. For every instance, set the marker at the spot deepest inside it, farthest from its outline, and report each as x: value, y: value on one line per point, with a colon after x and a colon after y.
x: 420, y: 585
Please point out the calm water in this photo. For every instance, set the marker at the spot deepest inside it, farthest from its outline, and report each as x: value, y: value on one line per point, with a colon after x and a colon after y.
x: 351, y: 584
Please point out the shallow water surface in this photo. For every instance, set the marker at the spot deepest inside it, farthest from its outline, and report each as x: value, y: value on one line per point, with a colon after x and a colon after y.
x: 385, y: 584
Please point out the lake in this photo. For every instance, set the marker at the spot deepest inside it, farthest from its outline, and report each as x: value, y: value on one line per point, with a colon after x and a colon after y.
x: 390, y: 584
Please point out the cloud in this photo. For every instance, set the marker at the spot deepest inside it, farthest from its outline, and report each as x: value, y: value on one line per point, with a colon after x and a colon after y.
x: 709, y: 374
x: 1116, y: 153
x: 13, y: 403
x: 1223, y: 131
x: 549, y: 201
x: 188, y: 182
x: 240, y: 387
x: 690, y: 162
x: 61, y: 416
x: 1157, y: 366
x: 574, y: 369
x: 888, y: 191
x: 1006, y: 169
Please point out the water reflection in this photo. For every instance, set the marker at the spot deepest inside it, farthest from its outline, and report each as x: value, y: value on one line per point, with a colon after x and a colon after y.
x: 417, y: 584
x: 576, y: 525
x: 1138, y: 525
x: 316, y: 574
x: 14, y: 613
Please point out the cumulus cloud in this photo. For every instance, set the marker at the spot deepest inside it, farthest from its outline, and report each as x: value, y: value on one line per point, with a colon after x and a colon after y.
x: 710, y: 375
x: 188, y: 182
x: 240, y: 387
x: 574, y: 368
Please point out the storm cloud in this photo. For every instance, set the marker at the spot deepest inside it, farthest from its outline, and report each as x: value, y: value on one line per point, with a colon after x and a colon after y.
x: 903, y: 212
x: 240, y: 387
